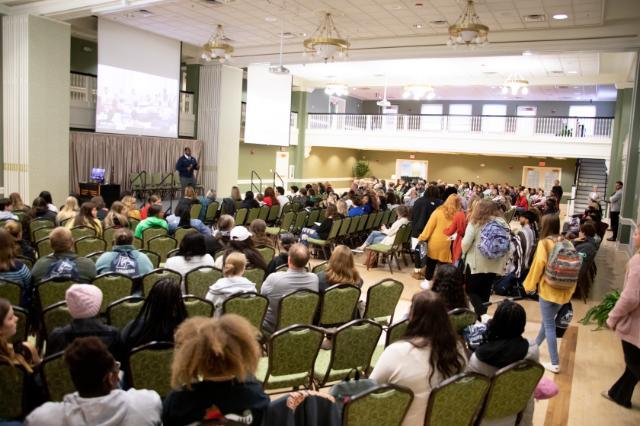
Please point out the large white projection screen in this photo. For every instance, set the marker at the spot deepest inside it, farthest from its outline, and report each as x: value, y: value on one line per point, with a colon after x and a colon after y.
x: 268, y: 116
x: 138, y: 81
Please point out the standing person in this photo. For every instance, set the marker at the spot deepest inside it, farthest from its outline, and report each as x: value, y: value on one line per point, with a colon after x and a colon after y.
x: 457, y: 228
x: 420, y: 214
x: 185, y: 166
x: 556, y: 191
x: 614, y: 210
x: 550, y: 297
x: 624, y: 319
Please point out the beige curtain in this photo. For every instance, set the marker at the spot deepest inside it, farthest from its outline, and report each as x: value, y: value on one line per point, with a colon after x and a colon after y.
x: 127, y: 155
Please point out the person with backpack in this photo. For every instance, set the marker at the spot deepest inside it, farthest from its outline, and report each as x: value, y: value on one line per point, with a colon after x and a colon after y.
x: 63, y: 263
x: 485, y: 249
x: 124, y: 258
x: 553, y: 276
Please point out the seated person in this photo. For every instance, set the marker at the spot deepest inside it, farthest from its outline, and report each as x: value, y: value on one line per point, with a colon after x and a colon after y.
x: 98, y: 401
x: 448, y: 282
x: 209, y: 198
x: 154, y: 220
x: 233, y: 281
x: 124, y: 258
x: 63, y: 263
x: 163, y: 310
x: 258, y: 228
x: 341, y: 269
x: 387, y: 235
x: 286, y: 241
x: 11, y: 269
x: 5, y: 210
x: 321, y: 231
x: 117, y: 216
x: 279, y: 284
x: 101, y: 207
x: 213, y: 374
x: 153, y: 200
x: 83, y: 303
x: 505, y: 345
x: 191, y: 254
x: 22, y: 246
x: 129, y: 202
x: 181, y: 218
x: 249, y: 201
x: 357, y: 209
x: 87, y: 216
x: 221, y: 235
x: 68, y: 211
x: 40, y: 210
x: 240, y: 240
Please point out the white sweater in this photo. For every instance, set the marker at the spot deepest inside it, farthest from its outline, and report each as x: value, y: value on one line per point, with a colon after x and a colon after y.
x: 225, y: 287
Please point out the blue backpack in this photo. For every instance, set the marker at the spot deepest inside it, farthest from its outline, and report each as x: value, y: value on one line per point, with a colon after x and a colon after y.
x: 494, y: 240
x: 63, y: 268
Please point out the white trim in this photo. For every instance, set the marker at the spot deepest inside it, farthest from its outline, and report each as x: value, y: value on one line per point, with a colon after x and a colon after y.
x: 309, y: 180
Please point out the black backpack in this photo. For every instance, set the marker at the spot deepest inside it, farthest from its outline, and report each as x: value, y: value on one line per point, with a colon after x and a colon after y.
x: 124, y: 263
x: 63, y: 268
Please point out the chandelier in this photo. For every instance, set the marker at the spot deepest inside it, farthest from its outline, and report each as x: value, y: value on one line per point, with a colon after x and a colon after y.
x: 515, y: 84
x: 336, y: 89
x: 468, y: 30
x: 418, y: 92
x: 326, y: 42
x: 216, y: 48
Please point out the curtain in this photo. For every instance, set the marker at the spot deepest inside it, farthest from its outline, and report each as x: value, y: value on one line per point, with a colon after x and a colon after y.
x: 126, y: 156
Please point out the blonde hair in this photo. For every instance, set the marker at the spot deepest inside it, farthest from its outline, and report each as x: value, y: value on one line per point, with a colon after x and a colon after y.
x: 14, y: 228
x: 129, y: 202
x: 209, y: 348
x: 189, y: 192
x: 341, y: 267
x: 482, y: 213
x: 451, y: 206
x: 342, y: 207
x: 234, y: 264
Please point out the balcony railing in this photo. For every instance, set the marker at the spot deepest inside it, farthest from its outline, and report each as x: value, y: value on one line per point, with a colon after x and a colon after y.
x: 558, y: 127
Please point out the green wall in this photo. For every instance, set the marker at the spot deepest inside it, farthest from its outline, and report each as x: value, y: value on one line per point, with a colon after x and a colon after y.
x: 84, y: 56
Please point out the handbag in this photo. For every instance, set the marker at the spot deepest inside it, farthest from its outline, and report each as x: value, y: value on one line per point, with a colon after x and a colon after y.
x: 346, y: 389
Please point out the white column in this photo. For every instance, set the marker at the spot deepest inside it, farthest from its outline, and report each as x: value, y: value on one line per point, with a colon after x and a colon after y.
x: 219, y: 114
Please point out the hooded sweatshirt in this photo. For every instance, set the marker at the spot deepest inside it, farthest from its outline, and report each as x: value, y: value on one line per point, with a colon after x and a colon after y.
x: 122, y: 408
x: 222, y: 289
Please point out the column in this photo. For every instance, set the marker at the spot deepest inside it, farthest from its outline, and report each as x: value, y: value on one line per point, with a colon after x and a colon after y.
x: 219, y: 110
x: 299, y: 104
x: 35, y: 110
x: 620, y: 138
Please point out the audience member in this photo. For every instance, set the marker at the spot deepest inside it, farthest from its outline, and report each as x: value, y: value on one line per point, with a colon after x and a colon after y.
x: 124, y: 258
x: 420, y: 214
x: 100, y: 206
x: 68, y: 211
x: 614, y: 210
x: 12, y: 269
x: 456, y: 231
x: 153, y: 200
x: 87, y: 216
x: 249, y: 201
x: 258, y: 228
x: 240, y: 240
x: 40, y: 210
x: 270, y: 198
x: 117, y: 216
x: 233, y: 281
x: 321, y: 231
x: 280, y: 284
x: 154, y: 220
x: 191, y: 254
x: 357, y: 209
x: 438, y: 243
x: 221, y: 235
x: 429, y: 353
x: 46, y: 196
x: 282, y: 199
x: 63, y: 262
x: 282, y: 258
x: 16, y: 202
x: 387, y: 235
x: 182, y: 219
x: 341, y: 269
x: 23, y: 247
x: 98, y: 400
x: 213, y: 374
x: 5, y: 210
x: 235, y: 194
x: 129, y: 202
x: 23, y: 354
x: 209, y: 198
x: 448, y: 282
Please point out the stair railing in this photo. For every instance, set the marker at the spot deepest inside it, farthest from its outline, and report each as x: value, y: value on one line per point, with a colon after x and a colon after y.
x: 277, y: 176
x: 255, y: 188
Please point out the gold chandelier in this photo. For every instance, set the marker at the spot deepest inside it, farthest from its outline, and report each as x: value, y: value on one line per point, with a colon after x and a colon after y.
x: 468, y: 30
x: 326, y: 42
x: 216, y: 48
x: 515, y: 84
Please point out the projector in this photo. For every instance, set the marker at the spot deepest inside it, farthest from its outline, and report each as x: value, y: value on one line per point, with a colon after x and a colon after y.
x: 278, y: 69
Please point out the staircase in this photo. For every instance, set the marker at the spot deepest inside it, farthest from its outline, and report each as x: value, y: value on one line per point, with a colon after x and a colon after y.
x: 590, y: 172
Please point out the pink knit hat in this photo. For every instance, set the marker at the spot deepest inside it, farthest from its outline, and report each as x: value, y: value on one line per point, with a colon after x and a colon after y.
x: 83, y: 300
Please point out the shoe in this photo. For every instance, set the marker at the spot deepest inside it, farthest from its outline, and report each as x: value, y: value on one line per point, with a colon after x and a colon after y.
x: 611, y: 239
x: 417, y: 276
x: 605, y: 395
x: 425, y: 285
x: 555, y: 369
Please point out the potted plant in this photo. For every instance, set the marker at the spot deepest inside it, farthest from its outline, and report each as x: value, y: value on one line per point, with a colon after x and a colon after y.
x: 600, y: 313
x: 361, y: 169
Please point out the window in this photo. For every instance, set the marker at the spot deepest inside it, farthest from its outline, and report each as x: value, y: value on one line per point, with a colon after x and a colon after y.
x: 457, y: 121
x: 494, y: 124
x: 581, y: 120
x: 433, y: 120
x: 526, y: 122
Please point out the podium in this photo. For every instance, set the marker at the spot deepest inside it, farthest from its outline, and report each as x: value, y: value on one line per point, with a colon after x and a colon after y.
x: 109, y: 193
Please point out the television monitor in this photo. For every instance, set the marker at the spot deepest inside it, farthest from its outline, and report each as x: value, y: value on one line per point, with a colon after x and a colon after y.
x: 97, y: 174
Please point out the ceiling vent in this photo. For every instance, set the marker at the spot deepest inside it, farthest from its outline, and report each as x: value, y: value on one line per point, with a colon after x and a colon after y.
x: 534, y: 17
x: 563, y: 87
x: 557, y: 72
x: 217, y: 2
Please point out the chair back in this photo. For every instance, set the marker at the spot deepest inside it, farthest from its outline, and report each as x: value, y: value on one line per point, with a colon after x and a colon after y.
x: 41, y: 233
x: 12, y: 383
x: 353, y: 227
x: 181, y: 232
x: 396, y: 332
x: 52, y: 291
x: 344, y: 228
x: 133, y: 223
x: 255, y: 275
x: 150, y: 233
x: 263, y: 213
x: 241, y: 216
x: 123, y: 311
x: 11, y: 291
x: 94, y: 256
x: 162, y: 245
x: 401, y: 235
x: 195, y: 210
x: 301, y: 219
x: 370, y: 221
x: 251, y: 306
x: 313, y: 217
x: 22, y: 328
x: 378, y: 220
x: 149, y: 365
x: 381, y: 405
x: 461, y: 318
x: 43, y: 247
x: 150, y: 279
x: 457, y: 400
x: 267, y: 253
x: 114, y: 287
x: 82, y: 231
x: 320, y: 267
x: 252, y: 215
x: 298, y: 307
x: 335, y: 228
x: 385, y: 217
x: 292, y: 352
x: 197, y: 306
x: 287, y: 221
x: 211, y: 212
x: 137, y: 243
x: 511, y: 388
x: 56, y: 377
x: 88, y: 245
x: 107, y: 235
x: 392, y: 217
x: 338, y: 304
x: 40, y: 223
x: 154, y: 257
x: 53, y: 316
x: 382, y: 299
x: 274, y: 211
x: 198, y: 280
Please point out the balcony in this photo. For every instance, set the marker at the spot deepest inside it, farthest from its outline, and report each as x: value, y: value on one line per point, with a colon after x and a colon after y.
x: 569, y: 137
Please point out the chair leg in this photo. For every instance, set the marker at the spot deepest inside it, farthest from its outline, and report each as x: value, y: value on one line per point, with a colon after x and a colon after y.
x: 389, y: 261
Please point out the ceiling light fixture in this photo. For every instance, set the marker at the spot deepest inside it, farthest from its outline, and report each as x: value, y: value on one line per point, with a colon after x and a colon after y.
x: 515, y: 84
x: 468, y: 30
x: 336, y: 89
x: 560, y: 16
x: 326, y: 42
x: 417, y: 92
x: 418, y: 26
x: 216, y: 48
x: 572, y: 72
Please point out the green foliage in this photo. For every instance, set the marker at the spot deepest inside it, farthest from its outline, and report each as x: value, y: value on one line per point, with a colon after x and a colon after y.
x: 566, y: 131
x: 600, y: 313
x: 361, y: 169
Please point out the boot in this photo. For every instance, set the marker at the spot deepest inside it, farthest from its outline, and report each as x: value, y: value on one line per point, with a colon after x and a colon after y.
x: 419, y: 275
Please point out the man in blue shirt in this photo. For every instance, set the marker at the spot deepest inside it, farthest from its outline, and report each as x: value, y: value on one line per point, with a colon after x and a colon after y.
x: 185, y: 167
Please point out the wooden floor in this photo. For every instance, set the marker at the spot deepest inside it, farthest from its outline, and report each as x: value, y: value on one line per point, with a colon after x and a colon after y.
x: 591, y: 361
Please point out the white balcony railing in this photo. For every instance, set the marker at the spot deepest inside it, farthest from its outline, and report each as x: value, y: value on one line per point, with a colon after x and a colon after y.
x: 556, y: 127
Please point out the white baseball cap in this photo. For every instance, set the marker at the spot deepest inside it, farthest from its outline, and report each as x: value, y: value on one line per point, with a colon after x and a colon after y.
x: 239, y: 233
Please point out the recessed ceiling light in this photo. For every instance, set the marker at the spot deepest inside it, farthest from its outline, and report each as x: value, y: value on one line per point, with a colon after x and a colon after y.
x: 271, y: 19
x: 560, y: 16
x: 534, y: 17
x: 287, y: 34
x: 418, y: 26
x: 572, y: 72
x: 527, y: 53
x: 302, y: 34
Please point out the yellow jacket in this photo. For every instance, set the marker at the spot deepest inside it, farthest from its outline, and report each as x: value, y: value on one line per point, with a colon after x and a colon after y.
x: 439, y: 245
x: 536, y: 281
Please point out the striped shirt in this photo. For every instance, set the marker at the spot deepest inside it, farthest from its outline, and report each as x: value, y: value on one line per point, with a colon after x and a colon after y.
x: 21, y: 275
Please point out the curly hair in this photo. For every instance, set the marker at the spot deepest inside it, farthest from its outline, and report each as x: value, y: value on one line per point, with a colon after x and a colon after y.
x: 448, y: 283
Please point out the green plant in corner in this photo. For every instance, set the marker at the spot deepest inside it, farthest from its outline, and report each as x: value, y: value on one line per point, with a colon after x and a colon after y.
x: 600, y: 313
x: 361, y: 168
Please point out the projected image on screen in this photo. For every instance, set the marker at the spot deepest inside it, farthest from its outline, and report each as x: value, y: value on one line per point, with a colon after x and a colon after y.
x: 132, y: 102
